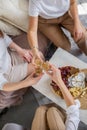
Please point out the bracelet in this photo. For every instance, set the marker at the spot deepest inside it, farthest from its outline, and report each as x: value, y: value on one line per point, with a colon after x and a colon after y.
x: 35, y: 47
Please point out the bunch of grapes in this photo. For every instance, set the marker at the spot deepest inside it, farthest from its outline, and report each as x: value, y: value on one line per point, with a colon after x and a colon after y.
x: 65, y: 73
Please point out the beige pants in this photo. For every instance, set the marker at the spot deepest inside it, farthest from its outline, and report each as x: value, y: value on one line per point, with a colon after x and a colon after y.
x: 17, y: 72
x: 52, y: 29
x: 48, y: 119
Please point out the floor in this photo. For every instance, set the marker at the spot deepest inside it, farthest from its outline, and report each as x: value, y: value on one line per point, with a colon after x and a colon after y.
x: 23, y: 113
x: 33, y: 98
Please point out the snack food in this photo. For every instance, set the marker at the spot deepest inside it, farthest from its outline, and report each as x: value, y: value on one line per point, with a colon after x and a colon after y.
x: 74, y: 79
x: 46, y: 66
x: 41, y: 66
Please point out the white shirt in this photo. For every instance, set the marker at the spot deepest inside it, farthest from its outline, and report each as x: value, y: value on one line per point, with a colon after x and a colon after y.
x: 48, y: 9
x: 5, y: 60
x: 73, y: 119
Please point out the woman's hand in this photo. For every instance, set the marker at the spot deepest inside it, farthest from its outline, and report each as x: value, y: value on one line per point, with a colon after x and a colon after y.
x: 26, y: 54
x: 29, y: 81
x: 38, y: 55
x: 32, y: 79
x: 78, y: 31
x: 55, y: 75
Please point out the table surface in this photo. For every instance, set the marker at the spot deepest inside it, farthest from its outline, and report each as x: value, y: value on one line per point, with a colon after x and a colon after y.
x: 60, y: 58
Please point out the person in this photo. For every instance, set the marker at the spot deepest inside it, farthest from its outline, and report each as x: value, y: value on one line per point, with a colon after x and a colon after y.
x: 50, y: 117
x: 50, y: 17
x: 16, y: 72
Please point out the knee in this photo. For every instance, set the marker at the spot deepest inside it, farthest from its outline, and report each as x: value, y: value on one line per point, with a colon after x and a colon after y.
x: 80, y: 40
x: 51, y: 112
x: 52, y: 109
x: 56, y: 112
x: 54, y: 119
x: 66, y: 45
x: 41, y: 109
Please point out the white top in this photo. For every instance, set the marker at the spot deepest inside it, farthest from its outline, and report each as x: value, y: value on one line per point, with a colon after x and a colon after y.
x: 48, y: 9
x: 73, y: 119
x: 5, y: 60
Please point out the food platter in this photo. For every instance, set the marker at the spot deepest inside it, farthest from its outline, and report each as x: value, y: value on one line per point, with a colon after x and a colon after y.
x: 74, y: 79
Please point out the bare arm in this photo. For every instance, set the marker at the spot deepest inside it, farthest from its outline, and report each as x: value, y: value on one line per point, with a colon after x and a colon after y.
x: 29, y: 81
x: 74, y: 11
x: 14, y: 86
x: 78, y: 30
x: 66, y: 94
x: 24, y: 53
x: 56, y: 76
x: 32, y: 33
x: 14, y: 46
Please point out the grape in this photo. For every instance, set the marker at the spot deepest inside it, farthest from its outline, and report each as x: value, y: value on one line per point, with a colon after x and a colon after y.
x: 56, y: 88
x: 65, y: 73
